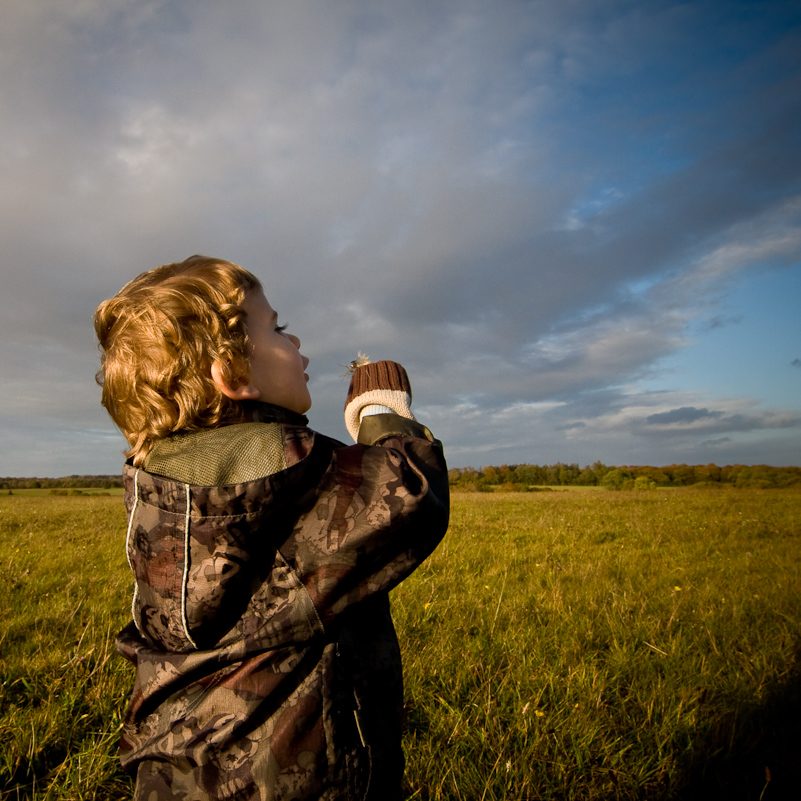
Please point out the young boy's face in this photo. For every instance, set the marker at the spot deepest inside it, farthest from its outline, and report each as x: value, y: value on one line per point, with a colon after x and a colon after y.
x: 277, y: 367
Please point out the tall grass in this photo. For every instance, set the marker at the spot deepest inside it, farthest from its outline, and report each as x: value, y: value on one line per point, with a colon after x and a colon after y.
x: 560, y: 645
x: 62, y: 687
x: 589, y: 646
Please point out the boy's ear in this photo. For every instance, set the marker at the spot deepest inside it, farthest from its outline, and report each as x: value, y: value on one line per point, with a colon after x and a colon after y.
x: 242, y: 392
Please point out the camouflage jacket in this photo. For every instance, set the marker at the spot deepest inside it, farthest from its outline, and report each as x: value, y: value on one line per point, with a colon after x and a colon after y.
x: 267, y: 665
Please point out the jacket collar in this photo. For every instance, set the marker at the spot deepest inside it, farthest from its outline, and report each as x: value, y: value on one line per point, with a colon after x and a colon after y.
x: 258, y: 412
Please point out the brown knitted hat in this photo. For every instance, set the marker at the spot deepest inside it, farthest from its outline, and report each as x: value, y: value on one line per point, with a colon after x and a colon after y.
x: 379, y: 384
x: 379, y: 375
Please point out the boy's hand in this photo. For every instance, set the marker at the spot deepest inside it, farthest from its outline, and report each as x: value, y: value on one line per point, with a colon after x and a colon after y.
x: 384, y: 386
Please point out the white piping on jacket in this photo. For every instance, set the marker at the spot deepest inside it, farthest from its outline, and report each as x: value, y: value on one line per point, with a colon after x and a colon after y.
x: 185, y: 578
x: 128, y: 553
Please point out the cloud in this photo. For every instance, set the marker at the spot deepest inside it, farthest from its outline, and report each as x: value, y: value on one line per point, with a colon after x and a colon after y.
x: 636, y: 412
x: 692, y: 419
x: 531, y: 207
x: 721, y: 321
x: 716, y: 441
x: 614, y: 426
x: 687, y: 414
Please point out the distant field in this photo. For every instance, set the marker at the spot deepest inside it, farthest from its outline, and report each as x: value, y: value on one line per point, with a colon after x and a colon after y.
x: 40, y: 491
x: 558, y: 645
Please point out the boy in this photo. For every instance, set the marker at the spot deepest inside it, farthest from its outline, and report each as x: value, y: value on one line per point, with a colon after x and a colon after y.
x: 267, y: 665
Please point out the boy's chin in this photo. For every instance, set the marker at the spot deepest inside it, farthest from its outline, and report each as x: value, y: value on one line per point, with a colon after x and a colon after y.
x: 301, y: 408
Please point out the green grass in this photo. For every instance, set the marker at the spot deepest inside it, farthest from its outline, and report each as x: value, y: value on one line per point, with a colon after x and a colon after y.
x: 563, y: 645
x: 62, y: 687
x: 623, y: 645
x: 60, y: 491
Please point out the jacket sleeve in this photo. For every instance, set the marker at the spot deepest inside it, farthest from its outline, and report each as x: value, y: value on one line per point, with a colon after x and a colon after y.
x: 380, y: 511
x: 377, y: 427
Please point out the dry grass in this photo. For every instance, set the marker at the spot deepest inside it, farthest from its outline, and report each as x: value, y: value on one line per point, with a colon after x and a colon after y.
x: 561, y: 645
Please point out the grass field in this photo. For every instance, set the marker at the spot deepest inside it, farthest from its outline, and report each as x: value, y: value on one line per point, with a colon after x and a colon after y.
x: 562, y: 645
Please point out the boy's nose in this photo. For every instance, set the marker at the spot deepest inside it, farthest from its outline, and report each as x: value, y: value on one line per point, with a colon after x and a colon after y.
x: 295, y: 341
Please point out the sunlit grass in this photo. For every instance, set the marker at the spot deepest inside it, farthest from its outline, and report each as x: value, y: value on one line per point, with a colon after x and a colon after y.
x: 573, y: 645
x: 557, y: 645
x: 62, y: 687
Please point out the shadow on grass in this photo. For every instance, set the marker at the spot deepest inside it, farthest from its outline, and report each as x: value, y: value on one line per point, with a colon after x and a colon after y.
x: 754, y: 753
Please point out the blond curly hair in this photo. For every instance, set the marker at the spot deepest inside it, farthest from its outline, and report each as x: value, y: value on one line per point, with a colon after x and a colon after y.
x: 159, y: 336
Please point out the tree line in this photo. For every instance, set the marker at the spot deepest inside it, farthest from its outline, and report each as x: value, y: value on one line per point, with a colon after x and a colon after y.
x: 66, y: 482
x: 523, y: 477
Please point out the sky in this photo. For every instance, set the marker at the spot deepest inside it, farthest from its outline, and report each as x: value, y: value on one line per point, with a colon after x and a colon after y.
x: 577, y: 223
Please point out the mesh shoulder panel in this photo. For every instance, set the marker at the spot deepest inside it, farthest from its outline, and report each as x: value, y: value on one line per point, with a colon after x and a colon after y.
x: 217, y: 456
